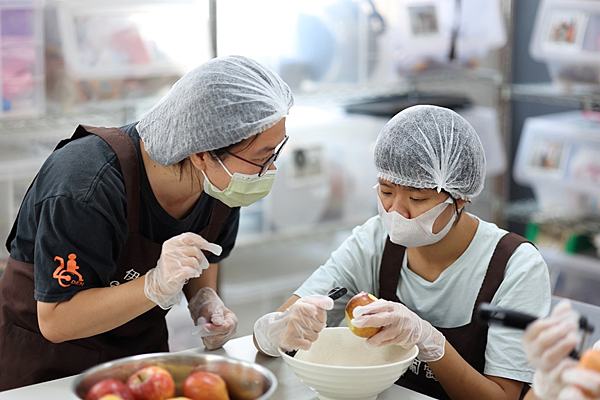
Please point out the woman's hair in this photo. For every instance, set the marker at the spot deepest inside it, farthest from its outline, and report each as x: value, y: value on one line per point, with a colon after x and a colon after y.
x: 221, y: 154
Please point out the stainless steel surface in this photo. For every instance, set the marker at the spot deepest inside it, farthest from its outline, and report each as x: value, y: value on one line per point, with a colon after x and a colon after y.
x: 245, y: 380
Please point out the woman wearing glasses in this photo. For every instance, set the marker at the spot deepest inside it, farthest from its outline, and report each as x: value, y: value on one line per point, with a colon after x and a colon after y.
x: 120, y: 223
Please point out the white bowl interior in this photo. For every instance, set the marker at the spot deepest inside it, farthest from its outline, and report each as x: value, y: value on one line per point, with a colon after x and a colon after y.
x: 340, y: 366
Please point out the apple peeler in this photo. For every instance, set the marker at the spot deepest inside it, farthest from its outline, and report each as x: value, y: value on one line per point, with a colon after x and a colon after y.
x: 515, y: 319
x: 334, y: 294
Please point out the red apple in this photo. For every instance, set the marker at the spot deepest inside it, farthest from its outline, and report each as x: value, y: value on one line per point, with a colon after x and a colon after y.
x: 106, y: 387
x: 151, y: 383
x: 111, y: 397
x: 361, y: 299
x: 205, y: 386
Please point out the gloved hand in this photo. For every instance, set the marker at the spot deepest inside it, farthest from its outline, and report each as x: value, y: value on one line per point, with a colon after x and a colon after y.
x: 581, y: 378
x: 547, y: 343
x: 215, y: 323
x: 401, y: 327
x: 181, y: 258
x: 295, y: 328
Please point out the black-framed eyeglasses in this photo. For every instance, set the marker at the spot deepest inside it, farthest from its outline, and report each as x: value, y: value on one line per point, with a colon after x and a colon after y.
x: 264, y: 167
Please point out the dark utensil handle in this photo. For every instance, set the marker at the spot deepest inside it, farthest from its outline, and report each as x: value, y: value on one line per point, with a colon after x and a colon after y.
x: 502, y: 316
x: 514, y: 319
x: 334, y: 294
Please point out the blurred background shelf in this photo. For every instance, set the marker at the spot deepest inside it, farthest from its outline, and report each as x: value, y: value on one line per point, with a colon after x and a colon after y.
x: 552, y: 94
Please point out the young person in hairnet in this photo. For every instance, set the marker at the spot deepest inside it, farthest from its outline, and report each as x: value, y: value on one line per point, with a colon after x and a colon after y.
x: 548, y: 343
x: 431, y: 264
x: 121, y: 222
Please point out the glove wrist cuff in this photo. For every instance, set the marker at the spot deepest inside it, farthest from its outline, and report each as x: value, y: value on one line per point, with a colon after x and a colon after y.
x: 261, y: 335
x: 433, y: 348
x: 152, y: 294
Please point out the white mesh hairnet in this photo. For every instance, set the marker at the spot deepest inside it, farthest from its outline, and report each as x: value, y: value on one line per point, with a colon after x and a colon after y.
x: 217, y: 104
x: 431, y: 147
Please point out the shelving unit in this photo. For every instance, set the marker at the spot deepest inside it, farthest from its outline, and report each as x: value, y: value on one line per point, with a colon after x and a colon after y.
x: 573, y: 275
x: 552, y: 94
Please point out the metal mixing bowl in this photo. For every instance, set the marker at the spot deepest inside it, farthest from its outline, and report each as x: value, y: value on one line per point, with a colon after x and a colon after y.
x: 245, y: 380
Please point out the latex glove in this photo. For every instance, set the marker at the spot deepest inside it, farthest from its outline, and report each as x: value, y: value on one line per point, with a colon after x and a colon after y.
x: 547, y: 343
x: 581, y: 378
x: 401, y: 327
x: 295, y: 328
x: 215, y: 323
x: 181, y: 259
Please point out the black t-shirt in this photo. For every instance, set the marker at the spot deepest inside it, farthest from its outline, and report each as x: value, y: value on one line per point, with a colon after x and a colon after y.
x: 77, y: 206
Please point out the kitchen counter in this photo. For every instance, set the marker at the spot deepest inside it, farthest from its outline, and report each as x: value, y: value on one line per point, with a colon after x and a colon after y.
x: 289, y: 386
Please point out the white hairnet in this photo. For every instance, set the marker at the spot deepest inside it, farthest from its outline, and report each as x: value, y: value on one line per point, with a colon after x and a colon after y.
x: 431, y: 147
x: 217, y: 104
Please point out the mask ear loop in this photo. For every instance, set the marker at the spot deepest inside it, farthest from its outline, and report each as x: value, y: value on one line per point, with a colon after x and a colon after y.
x: 455, y: 202
x: 224, y: 167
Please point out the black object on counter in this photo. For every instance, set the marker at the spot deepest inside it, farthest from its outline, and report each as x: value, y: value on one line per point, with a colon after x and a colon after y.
x: 334, y: 294
x: 392, y: 105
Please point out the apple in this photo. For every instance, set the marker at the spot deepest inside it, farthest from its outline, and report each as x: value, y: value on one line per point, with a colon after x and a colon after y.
x: 151, y: 383
x: 111, y: 397
x: 361, y: 299
x: 590, y: 359
x: 205, y: 386
x: 107, y: 387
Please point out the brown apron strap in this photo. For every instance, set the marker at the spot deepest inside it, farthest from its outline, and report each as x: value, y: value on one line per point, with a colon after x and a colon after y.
x: 127, y: 154
x: 389, y: 273
x: 495, y: 273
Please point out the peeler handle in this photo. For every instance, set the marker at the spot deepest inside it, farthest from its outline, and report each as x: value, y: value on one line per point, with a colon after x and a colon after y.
x: 334, y: 294
x: 487, y: 313
x: 502, y: 316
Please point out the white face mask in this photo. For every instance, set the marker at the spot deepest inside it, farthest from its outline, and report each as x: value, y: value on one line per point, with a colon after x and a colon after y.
x: 243, y: 189
x: 414, y: 232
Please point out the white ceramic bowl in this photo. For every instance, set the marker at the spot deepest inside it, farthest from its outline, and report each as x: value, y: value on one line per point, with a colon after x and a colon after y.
x: 339, y: 366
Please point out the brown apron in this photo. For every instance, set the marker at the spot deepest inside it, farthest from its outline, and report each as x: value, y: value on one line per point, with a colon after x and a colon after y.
x: 469, y: 340
x: 26, y: 357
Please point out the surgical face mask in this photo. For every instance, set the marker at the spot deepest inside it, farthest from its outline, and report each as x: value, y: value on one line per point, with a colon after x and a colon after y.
x: 418, y: 231
x: 243, y: 189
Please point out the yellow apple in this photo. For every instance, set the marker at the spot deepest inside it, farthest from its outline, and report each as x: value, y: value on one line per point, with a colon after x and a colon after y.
x: 361, y: 299
x: 205, y: 386
x: 590, y: 359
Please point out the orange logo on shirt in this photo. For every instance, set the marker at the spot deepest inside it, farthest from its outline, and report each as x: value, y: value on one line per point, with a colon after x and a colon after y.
x: 68, y: 276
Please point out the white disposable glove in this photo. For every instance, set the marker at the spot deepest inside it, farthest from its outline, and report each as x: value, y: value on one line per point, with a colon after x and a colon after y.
x: 579, y: 379
x: 401, y: 327
x: 547, y: 343
x: 215, y: 323
x: 181, y: 259
x: 295, y: 328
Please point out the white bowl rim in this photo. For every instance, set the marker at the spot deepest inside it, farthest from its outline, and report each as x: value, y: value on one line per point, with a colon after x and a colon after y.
x: 414, y: 349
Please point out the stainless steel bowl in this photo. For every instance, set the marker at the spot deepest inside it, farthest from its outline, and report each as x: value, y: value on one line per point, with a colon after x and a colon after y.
x: 245, y: 380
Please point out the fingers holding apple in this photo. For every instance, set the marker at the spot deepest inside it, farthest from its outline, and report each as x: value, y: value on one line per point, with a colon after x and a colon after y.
x: 203, y: 385
x: 151, y: 383
x: 361, y: 299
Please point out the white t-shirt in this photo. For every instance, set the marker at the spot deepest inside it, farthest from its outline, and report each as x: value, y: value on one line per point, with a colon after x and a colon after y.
x: 448, y: 301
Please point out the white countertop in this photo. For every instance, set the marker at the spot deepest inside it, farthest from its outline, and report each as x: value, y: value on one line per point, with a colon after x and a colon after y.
x: 289, y: 386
